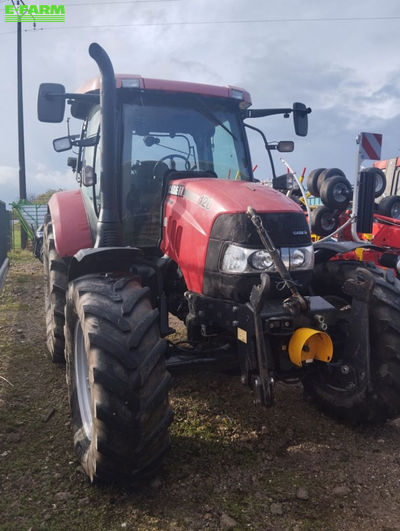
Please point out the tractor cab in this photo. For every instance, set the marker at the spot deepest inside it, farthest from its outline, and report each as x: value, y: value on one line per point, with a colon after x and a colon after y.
x: 166, y: 130
x: 182, y: 129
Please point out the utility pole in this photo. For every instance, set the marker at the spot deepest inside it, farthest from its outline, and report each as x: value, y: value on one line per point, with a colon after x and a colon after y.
x: 21, y: 144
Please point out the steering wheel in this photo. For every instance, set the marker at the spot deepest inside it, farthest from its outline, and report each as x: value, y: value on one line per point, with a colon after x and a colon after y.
x: 171, y: 158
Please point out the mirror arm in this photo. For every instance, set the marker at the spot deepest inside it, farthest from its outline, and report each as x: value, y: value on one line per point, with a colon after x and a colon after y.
x: 95, y: 98
x: 258, y: 113
x: 267, y: 147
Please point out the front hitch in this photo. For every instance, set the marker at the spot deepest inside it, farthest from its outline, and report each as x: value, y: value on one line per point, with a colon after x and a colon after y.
x: 263, y: 382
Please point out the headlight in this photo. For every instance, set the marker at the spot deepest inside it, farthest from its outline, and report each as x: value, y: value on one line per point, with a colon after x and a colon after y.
x: 297, y: 258
x: 261, y: 260
x: 301, y: 258
x: 237, y: 259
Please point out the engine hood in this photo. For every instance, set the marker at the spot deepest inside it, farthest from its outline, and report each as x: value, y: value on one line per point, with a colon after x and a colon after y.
x: 193, y: 206
x: 219, y: 196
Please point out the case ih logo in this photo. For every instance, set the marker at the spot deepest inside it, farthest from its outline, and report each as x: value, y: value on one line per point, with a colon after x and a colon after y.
x: 176, y: 189
x: 41, y: 13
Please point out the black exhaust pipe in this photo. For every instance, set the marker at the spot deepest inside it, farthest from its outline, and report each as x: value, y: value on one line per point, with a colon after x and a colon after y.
x: 109, y: 229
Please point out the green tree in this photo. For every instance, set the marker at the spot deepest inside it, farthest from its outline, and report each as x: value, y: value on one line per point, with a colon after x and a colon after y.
x: 44, y: 197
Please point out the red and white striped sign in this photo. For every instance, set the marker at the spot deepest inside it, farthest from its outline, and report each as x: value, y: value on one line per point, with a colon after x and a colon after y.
x: 370, y: 146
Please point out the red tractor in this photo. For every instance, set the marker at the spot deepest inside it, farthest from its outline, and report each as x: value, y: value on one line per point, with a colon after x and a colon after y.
x: 168, y: 219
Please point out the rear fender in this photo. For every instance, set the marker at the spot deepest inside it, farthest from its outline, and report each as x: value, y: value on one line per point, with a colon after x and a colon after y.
x: 72, y: 219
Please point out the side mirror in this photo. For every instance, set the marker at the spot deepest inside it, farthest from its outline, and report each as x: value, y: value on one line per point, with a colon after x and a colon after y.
x: 51, y: 102
x: 62, y: 144
x: 285, y: 146
x: 300, y: 118
x: 283, y: 182
x: 66, y: 142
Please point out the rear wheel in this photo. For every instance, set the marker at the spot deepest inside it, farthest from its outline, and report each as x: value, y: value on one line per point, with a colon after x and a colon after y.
x: 336, y: 192
x: 390, y: 207
x: 55, y: 285
x: 312, y: 181
x: 328, y: 173
x: 324, y: 221
x: 336, y: 386
x: 117, y: 379
x: 380, y: 180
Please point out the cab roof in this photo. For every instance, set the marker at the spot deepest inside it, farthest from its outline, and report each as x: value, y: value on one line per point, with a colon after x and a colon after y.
x: 135, y: 81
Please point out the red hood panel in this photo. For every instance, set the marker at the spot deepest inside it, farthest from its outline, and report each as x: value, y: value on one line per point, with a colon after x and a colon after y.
x: 235, y: 196
x: 191, y: 208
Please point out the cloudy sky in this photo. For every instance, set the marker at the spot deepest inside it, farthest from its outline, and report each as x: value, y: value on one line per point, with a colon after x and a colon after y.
x: 340, y: 58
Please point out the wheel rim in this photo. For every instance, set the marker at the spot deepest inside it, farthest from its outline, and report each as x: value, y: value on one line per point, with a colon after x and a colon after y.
x: 82, y: 381
x: 340, y: 193
x: 328, y: 222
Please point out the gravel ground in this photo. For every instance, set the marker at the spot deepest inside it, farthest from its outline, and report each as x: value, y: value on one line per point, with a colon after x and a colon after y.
x: 232, y: 465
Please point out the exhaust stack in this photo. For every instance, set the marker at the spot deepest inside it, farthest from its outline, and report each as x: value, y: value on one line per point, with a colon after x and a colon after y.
x: 109, y: 224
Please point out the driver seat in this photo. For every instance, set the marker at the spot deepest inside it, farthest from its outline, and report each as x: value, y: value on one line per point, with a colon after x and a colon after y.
x: 146, y: 188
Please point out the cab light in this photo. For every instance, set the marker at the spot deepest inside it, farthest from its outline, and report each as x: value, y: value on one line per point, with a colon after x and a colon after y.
x: 237, y: 94
x: 130, y: 83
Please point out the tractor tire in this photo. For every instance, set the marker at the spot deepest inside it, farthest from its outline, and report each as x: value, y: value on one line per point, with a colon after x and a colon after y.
x: 55, y: 286
x: 328, y: 174
x: 117, y: 379
x: 312, y: 180
x: 324, y: 221
x: 380, y: 180
x: 390, y: 207
x: 335, y: 387
x: 336, y: 192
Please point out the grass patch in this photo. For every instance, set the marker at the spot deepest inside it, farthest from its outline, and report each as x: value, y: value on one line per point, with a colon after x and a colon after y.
x: 20, y: 255
x: 16, y: 236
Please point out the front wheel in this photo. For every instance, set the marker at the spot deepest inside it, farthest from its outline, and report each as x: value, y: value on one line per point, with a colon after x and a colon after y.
x: 337, y: 387
x: 55, y: 285
x: 117, y: 379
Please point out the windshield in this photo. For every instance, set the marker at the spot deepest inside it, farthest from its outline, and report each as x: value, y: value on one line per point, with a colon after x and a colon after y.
x: 185, y: 133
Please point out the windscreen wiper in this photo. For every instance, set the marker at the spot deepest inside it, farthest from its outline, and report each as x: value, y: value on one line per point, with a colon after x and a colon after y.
x: 209, y: 114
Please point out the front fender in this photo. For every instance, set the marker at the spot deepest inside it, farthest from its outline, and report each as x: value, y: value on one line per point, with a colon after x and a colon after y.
x: 103, y: 260
x: 324, y: 251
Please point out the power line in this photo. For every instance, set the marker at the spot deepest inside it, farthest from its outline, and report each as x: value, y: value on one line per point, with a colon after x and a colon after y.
x: 216, y: 22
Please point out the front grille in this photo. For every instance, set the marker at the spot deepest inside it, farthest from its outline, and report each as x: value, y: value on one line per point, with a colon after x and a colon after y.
x: 286, y: 229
